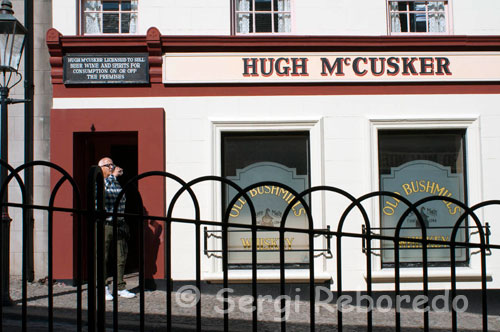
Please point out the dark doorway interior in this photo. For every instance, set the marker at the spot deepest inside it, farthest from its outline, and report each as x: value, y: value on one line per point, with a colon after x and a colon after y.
x: 88, y: 149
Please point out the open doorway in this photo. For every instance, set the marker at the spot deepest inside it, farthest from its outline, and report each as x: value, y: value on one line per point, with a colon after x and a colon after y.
x: 122, y: 147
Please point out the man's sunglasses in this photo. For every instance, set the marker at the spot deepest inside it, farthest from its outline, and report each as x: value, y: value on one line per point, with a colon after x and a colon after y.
x: 110, y: 166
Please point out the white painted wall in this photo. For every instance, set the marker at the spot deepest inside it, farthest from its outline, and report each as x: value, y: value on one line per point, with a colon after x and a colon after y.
x: 193, y: 17
x: 64, y: 16
x: 310, y: 17
x: 344, y: 142
x: 476, y: 17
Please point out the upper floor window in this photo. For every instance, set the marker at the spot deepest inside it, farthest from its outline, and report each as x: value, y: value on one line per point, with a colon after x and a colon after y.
x: 263, y: 16
x: 110, y: 16
x: 418, y: 17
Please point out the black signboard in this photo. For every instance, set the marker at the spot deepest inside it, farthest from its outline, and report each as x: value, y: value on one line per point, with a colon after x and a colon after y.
x: 106, y: 68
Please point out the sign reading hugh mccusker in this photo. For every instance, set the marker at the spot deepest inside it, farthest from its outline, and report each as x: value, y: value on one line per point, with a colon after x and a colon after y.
x: 330, y: 67
x: 106, y: 68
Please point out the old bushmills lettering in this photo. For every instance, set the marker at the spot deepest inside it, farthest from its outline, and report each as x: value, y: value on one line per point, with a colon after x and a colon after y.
x: 338, y: 67
x: 421, y: 186
x: 266, y: 217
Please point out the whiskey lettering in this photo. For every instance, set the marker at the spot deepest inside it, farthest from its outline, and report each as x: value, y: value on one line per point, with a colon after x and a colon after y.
x: 411, y: 244
x: 267, y: 243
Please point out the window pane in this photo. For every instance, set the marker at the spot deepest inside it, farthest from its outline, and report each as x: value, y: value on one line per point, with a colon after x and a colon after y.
x: 282, y: 5
x: 418, y: 164
x: 404, y: 22
x: 92, y: 5
x: 418, y: 23
x: 393, y: 6
x: 402, y: 6
x: 282, y: 22
x: 396, y: 22
x: 418, y: 6
x: 125, y: 23
x: 263, y: 5
x: 255, y: 157
x: 110, y: 5
x: 244, y: 5
x: 93, y: 23
x: 437, y: 22
x: 245, y: 23
x: 263, y: 23
x: 126, y: 6
x: 110, y: 23
x: 133, y: 23
x: 436, y: 6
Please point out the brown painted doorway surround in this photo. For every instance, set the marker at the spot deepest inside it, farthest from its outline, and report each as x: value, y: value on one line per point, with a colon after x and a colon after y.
x: 134, y: 139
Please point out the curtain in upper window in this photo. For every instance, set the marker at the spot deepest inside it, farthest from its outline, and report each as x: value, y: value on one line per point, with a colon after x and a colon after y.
x: 243, y: 18
x: 92, y: 18
x: 437, y: 18
x: 395, y: 19
x: 284, y: 20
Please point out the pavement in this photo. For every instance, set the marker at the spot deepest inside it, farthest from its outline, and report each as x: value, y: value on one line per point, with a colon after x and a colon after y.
x: 240, y: 316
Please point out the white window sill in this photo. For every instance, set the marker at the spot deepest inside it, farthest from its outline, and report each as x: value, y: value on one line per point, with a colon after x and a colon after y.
x: 267, y: 276
x: 464, y: 274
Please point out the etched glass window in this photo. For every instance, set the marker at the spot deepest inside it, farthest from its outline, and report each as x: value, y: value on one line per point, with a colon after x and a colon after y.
x: 251, y: 158
x: 417, y: 164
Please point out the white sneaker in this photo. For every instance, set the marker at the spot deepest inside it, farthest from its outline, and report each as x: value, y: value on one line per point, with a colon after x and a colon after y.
x: 126, y: 294
x: 109, y: 297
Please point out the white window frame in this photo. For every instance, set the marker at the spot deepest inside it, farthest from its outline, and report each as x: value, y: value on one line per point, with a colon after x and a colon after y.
x: 272, y: 12
x: 315, y: 129
x: 474, y: 190
x: 448, y: 17
x: 119, y: 12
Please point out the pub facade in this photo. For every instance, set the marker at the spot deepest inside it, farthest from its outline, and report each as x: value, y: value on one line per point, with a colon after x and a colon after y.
x: 398, y: 96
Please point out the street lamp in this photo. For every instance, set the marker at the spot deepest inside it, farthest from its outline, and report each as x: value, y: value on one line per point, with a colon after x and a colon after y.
x: 12, y: 37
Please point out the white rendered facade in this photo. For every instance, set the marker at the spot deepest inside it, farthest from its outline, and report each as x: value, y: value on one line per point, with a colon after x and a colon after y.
x: 314, y: 17
x: 342, y: 129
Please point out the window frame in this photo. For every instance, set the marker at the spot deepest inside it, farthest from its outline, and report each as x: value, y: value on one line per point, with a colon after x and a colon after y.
x: 82, y: 13
x: 471, y: 125
x: 272, y: 12
x: 226, y: 166
x: 464, y: 154
x: 447, y: 12
x: 314, y: 125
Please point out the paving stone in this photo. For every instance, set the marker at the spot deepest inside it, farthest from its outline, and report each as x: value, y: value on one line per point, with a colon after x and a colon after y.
x: 240, y: 315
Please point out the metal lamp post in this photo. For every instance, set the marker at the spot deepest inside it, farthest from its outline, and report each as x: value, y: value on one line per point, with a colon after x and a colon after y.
x: 12, y: 38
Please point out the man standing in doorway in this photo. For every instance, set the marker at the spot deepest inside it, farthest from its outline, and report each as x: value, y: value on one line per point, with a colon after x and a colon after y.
x: 112, y: 188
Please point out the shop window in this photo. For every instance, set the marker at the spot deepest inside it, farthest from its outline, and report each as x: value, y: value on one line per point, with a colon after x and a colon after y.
x: 417, y: 164
x: 249, y: 158
x: 263, y: 16
x: 426, y: 17
x: 109, y: 17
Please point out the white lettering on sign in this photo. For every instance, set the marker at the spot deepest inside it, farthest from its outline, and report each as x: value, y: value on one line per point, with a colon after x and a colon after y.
x: 116, y: 69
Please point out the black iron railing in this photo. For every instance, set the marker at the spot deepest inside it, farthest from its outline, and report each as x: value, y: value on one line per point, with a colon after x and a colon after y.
x: 91, y: 209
